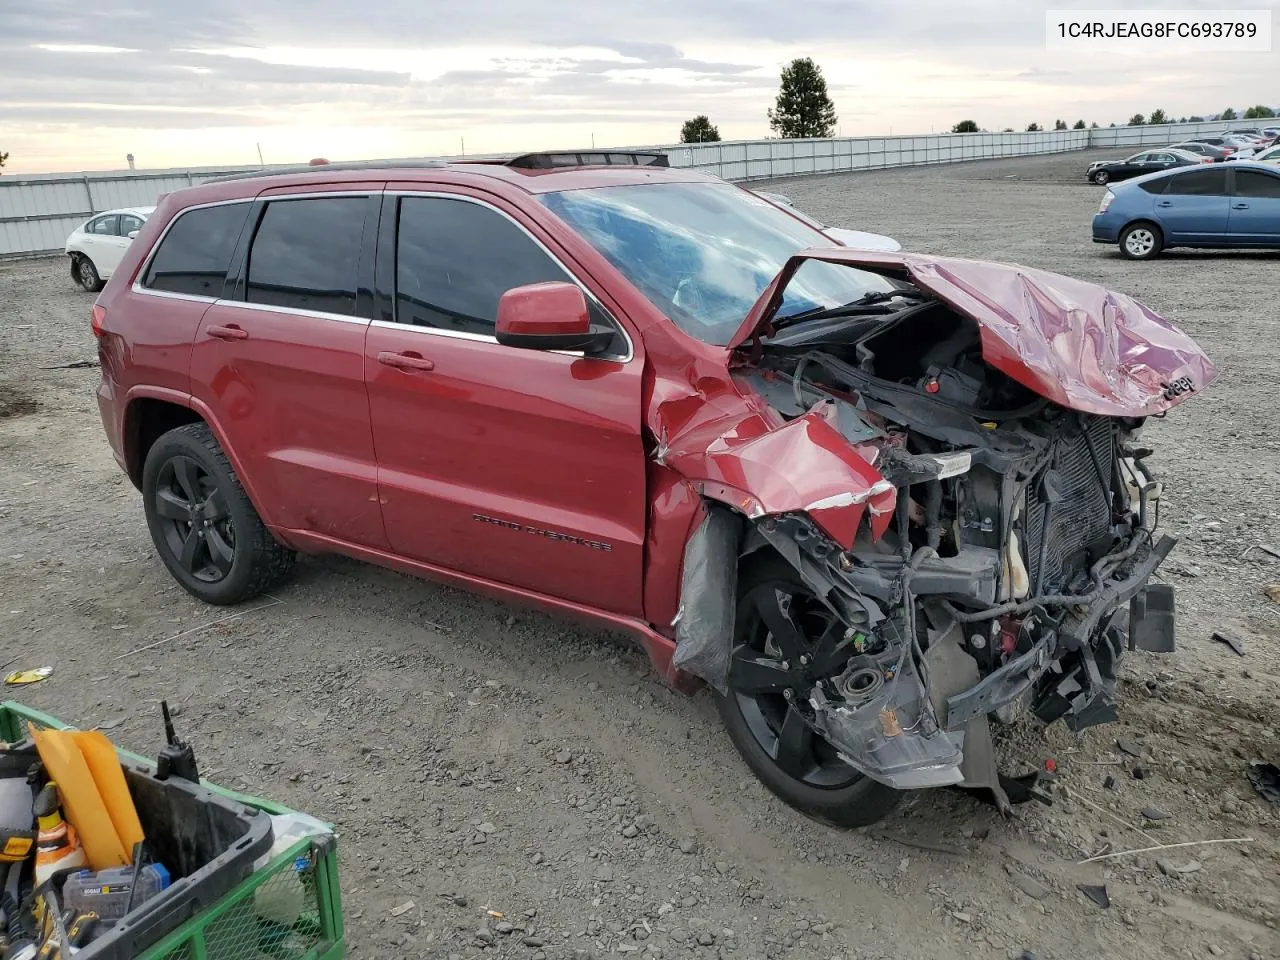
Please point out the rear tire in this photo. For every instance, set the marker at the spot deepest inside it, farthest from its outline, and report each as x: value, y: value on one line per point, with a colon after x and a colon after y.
x: 202, y: 523
x: 1141, y: 241
x: 828, y: 790
x: 86, y: 274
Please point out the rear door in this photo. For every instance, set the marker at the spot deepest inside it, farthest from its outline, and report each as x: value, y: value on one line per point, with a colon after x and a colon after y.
x: 279, y: 360
x: 1255, y: 208
x: 112, y: 245
x: 515, y: 465
x: 1194, y: 207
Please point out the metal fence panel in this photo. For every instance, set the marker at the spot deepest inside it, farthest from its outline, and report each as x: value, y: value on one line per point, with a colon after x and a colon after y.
x: 38, y: 212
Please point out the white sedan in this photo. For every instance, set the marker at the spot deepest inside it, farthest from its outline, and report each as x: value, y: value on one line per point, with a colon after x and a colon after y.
x: 858, y: 239
x: 1269, y: 155
x: 97, y: 245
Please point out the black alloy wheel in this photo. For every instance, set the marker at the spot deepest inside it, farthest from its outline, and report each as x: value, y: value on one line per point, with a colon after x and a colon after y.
x: 196, y: 521
x: 785, y: 641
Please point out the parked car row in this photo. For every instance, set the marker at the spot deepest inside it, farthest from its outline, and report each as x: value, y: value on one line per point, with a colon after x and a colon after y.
x: 1229, y: 145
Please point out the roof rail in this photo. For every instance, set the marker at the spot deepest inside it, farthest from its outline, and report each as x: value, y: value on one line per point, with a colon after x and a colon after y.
x: 550, y: 159
x: 326, y: 167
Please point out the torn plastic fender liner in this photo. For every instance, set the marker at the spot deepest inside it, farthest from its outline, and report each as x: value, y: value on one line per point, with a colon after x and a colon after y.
x: 708, y: 593
x: 804, y: 466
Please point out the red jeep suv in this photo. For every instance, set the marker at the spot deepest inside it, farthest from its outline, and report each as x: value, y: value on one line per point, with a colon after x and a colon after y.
x: 873, y: 500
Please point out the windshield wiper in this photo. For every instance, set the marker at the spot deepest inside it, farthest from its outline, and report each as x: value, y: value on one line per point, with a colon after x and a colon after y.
x: 874, y: 302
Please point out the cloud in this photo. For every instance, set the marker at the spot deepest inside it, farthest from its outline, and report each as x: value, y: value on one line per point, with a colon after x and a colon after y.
x: 414, y: 76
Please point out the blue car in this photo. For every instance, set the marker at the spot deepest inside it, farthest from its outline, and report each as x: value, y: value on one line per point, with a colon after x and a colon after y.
x: 1223, y: 205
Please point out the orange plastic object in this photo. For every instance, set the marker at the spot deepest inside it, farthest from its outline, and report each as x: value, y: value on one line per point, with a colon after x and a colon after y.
x: 81, y: 802
x: 103, y: 763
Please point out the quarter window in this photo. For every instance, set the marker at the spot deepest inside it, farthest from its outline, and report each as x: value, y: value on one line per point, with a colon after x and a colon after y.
x: 1251, y: 183
x: 454, y: 261
x: 196, y: 250
x: 105, y: 226
x: 306, y: 253
x: 1199, y: 183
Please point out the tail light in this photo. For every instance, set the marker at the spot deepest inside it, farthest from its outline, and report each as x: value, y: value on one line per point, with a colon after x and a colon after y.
x: 97, y: 316
x: 1106, y: 201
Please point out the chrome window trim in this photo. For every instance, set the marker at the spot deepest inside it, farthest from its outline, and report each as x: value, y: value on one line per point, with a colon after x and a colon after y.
x: 627, y: 357
x: 295, y: 311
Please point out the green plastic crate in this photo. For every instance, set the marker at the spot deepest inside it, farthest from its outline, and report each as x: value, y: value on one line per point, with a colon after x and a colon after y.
x: 291, y: 909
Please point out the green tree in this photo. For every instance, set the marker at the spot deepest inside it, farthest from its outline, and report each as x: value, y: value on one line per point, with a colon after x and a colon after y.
x: 1008, y: 129
x: 1034, y: 128
x: 1094, y: 125
x: 699, y: 129
x: 1259, y: 113
x: 965, y: 126
x: 1157, y: 116
x: 1136, y: 120
x: 1183, y: 120
x: 1059, y: 124
x: 803, y: 107
x: 3, y: 157
x: 1079, y: 125
x: 1227, y: 114
x: 1195, y: 119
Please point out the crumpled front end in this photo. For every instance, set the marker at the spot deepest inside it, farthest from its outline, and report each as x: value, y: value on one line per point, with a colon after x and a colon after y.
x: 983, y: 532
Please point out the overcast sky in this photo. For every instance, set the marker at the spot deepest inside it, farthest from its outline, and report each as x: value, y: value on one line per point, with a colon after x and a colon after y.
x: 206, y: 81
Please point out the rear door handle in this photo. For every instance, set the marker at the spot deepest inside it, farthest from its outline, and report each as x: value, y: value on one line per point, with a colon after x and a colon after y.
x: 1165, y: 203
x: 228, y: 332
x: 1239, y: 206
x: 408, y: 360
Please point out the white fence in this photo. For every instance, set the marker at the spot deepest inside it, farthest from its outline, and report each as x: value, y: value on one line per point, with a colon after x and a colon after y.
x: 37, y: 212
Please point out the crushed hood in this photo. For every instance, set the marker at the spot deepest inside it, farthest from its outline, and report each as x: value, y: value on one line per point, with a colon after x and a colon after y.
x: 1076, y: 343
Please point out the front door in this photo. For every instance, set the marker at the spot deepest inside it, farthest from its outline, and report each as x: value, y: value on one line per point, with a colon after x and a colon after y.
x: 519, y: 466
x: 1255, y: 208
x: 280, y: 362
x: 1193, y: 208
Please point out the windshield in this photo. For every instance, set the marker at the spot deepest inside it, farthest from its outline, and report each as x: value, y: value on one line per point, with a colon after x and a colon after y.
x: 704, y: 252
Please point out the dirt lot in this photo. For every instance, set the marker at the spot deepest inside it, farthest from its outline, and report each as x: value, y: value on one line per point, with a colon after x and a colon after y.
x: 478, y: 757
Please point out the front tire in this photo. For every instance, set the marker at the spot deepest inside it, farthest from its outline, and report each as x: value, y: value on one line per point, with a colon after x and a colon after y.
x: 1102, y: 178
x: 86, y: 274
x: 202, y: 523
x: 1141, y: 241
x: 779, y: 620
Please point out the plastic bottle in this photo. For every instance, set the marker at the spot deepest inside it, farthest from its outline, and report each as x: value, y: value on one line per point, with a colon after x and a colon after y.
x: 107, y: 892
x: 57, y: 845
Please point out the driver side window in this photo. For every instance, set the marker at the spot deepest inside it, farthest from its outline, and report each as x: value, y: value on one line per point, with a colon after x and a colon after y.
x: 456, y: 258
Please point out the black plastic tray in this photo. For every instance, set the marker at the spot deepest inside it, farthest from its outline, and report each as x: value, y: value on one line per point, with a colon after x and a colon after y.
x: 207, y: 842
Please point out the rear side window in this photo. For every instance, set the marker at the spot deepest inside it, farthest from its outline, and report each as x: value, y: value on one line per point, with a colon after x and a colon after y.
x: 1199, y: 183
x: 306, y: 254
x: 1250, y: 183
x: 454, y: 261
x: 1157, y: 185
x: 194, y: 255
x: 105, y: 226
x: 128, y: 224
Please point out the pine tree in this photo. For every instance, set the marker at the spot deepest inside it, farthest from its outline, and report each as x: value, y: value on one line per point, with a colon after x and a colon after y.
x: 1034, y: 128
x: 1079, y: 125
x: 1227, y: 114
x: 1059, y: 124
x: 803, y: 108
x: 699, y: 129
x: 1157, y: 116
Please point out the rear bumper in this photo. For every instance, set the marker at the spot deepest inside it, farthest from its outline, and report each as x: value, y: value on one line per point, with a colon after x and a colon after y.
x: 1104, y: 230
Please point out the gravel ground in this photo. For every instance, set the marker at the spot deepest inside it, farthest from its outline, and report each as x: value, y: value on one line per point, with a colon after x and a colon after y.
x: 477, y: 757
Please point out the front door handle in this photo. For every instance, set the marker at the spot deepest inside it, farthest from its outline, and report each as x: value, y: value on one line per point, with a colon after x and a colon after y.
x: 409, y: 360
x: 229, y: 332
x: 1165, y: 203
x: 1239, y: 206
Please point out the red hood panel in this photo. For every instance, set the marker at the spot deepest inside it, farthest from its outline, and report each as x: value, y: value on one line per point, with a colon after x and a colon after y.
x: 1078, y: 344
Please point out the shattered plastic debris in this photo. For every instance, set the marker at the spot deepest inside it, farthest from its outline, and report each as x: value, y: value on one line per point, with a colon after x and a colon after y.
x: 1273, y: 592
x: 21, y: 678
x: 1231, y: 640
x: 1097, y: 892
x: 1265, y: 778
